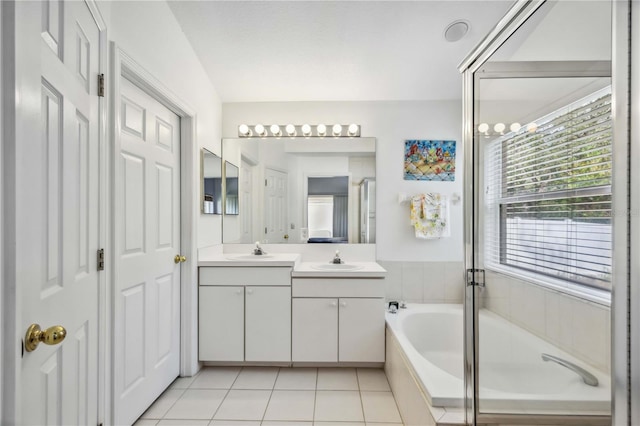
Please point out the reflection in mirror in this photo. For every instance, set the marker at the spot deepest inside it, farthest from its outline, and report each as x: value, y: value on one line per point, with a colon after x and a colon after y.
x: 328, y: 209
x: 231, y: 188
x: 273, y: 184
x: 211, y: 171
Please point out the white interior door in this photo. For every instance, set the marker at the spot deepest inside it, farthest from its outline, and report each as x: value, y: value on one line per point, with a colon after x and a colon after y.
x: 57, y: 217
x: 147, y: 235
x: 275, y: 202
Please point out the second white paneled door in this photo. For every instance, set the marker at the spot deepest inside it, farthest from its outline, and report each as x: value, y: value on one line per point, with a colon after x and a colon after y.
x: 147, y: 228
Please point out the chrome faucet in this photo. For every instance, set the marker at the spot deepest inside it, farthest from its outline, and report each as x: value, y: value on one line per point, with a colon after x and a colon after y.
x: 587, y: 377
x: 258, y: 250
x: 336, y: 259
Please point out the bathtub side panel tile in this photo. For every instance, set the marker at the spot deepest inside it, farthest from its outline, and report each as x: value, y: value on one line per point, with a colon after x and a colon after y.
x: 411, y: 404
x: 412, y: 275
x: 393, y: 280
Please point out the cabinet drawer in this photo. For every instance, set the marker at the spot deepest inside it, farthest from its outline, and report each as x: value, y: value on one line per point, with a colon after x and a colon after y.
x: 337, y: 287
x: 225, y: 275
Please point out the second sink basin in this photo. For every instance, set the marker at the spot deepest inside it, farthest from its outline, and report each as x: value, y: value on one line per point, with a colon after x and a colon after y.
x: 336, y: 267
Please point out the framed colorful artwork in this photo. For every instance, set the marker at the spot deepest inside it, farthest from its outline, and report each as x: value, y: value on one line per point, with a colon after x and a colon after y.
x: 430, y: 160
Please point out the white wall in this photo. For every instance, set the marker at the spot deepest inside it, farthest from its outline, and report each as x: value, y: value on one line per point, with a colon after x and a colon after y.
x: 391, y: 123
x: 150, y: 34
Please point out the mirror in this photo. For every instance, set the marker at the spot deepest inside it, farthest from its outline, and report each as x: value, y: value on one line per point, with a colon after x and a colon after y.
x: 211, y: 178
x: 302, y: 190
x: 231, y: 188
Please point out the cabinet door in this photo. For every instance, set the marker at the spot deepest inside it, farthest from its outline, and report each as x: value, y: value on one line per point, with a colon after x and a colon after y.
x: 361, y: 330
x: 268, y: 324
x: 221, y: 323
x: 315, y: 330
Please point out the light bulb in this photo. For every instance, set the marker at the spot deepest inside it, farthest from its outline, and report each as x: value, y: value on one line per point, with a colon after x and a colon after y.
x: 532, y: 127
x: 322, y: 129
x: 291, y: 129
x: 336, y: 130
x: 244, y: 130
x: 306, y: 130
x: 260, y: 130
x: 353, y: 129
x: 275, y: 130
x: 499, y: 127
x: 483, y: 128
x: 515, y: 127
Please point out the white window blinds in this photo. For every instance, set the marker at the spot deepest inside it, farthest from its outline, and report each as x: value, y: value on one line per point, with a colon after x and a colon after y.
x: 548, y: 195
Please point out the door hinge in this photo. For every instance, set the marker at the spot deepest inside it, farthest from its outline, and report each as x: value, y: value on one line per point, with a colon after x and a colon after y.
x: 265, y: 229
x: 478, y: 281
x: 101, y: 85
x: 265, y: 182
x: 101, y: 260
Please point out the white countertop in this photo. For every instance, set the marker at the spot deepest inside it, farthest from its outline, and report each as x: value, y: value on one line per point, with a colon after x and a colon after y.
x: 214, y: 256
x: 248, y: 259
x: 360, y: 269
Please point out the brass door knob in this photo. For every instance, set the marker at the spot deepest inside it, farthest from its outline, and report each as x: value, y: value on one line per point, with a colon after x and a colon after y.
x: 179, y: 259
x: 51, y: 336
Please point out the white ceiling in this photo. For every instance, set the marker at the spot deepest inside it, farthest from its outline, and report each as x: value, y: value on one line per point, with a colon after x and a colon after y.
x: 258, y: 51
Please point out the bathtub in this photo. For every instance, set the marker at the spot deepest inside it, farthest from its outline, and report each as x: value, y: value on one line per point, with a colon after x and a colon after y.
x: 513, y: 377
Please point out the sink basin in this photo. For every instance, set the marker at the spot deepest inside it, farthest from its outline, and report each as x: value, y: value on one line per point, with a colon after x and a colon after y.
x: 251, y: 257
x: 336, y: 267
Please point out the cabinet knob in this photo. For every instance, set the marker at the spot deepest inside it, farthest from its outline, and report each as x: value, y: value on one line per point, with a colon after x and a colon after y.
x: 249, y: 291
x: 334, y: 303
x: 343, y: 304
x: 238, y: 292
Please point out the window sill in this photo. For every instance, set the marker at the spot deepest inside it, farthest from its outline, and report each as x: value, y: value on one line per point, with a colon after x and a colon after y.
x: 593, y: 295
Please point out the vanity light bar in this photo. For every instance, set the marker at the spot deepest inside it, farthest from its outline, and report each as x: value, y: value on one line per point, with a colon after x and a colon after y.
x: 299, y: 130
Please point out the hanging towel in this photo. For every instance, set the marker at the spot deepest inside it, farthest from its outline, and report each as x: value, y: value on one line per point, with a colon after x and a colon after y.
x: 430, y: 216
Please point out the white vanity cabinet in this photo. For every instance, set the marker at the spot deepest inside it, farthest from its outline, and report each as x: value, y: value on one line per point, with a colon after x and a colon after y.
x: 338, y: 320
x: 245, y: 314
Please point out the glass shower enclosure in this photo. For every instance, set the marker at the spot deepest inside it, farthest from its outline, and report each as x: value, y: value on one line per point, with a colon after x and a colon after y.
x: 540, y: 226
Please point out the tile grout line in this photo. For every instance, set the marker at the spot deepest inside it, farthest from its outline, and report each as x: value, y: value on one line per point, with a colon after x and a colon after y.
x: 225, y: 395
x: 170, y: 407
x: 270, y: 395
x: 364, y: 418
x: 315, y: 396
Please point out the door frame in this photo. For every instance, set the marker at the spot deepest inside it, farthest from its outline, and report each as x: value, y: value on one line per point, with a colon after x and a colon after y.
x: 2, y: 194
x: 125, y: 66
x: 10, y: 292
x: 635, y: 208
x: 620, y: 299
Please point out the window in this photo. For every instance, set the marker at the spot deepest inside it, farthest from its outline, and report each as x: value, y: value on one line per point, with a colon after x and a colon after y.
x: 548, y: 196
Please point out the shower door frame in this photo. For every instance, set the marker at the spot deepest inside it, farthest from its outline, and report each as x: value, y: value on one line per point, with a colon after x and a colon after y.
x: 619, y: 74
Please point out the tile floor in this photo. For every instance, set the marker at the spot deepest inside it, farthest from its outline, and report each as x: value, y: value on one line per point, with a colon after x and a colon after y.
x: 272, y: 396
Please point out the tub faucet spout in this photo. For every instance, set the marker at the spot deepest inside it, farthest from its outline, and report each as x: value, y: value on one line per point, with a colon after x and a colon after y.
x: 587, y: 377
